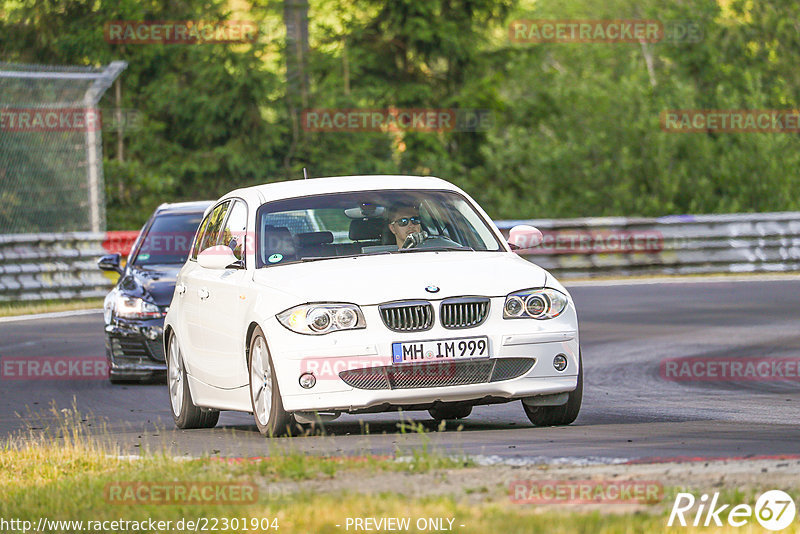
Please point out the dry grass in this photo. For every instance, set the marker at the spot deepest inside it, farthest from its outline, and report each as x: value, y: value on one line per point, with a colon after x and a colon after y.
x: 9, y: 309
x: 62, y: 471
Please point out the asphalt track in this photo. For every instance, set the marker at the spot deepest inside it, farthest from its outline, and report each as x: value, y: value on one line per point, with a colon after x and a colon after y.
x: 629, y: 411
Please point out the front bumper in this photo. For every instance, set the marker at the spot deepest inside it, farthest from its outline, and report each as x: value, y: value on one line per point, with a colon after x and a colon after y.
x: 135, y: 348
x: 329, y: 355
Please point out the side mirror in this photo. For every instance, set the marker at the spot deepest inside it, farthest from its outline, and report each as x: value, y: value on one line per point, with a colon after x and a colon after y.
x: 110, y: 262
x: 524, y: 236
x: 218, y: 257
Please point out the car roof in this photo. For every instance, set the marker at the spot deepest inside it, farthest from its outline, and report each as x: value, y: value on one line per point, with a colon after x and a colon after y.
x: 336, y: 184
x: 198, y: 206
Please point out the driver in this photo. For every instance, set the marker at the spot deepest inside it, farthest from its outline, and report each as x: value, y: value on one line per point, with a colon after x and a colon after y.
x: 404, y: 223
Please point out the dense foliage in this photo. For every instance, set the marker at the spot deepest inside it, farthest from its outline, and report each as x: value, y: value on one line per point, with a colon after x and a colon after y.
x: 576, y: 127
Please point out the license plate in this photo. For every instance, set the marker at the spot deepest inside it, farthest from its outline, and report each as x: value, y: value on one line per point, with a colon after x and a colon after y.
x: 440, y: 349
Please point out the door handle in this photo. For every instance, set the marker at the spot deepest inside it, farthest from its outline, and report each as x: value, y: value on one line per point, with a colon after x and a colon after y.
x: 203, y: 293
x: 180, y: 289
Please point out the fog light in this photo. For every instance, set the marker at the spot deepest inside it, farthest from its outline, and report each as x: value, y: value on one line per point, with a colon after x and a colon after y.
x: 307, y: 380
x: 151, y: 332
x: 560, y: 362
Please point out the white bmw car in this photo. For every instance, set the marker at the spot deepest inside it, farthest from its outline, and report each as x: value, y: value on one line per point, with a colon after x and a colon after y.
x: 306, y: 299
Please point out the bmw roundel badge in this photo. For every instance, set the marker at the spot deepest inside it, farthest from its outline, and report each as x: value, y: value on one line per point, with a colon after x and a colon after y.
x: 432, y: 289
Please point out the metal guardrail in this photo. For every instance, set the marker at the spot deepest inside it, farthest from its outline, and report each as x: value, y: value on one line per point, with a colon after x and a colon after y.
x: 63, y: 266
x: 679, y: 244
x: 51, y: 266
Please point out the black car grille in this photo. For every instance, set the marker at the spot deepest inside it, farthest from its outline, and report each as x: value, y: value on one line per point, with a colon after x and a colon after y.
x: 463, y: 312
x: 136, y: 349
x: 431, y: 375
x: 408, y: 316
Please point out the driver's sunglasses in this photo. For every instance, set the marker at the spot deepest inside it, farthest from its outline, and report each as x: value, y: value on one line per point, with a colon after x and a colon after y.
x: 405, y: 220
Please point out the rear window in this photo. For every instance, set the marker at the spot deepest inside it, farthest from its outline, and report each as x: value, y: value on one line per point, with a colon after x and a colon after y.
x: 168, y: 240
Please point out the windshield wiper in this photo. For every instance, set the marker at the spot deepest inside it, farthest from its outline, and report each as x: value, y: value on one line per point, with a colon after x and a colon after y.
x: 317, y: 258
x: 435, y: 249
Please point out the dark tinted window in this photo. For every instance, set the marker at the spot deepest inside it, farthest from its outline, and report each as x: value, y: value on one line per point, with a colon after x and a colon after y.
x: 168, y: 240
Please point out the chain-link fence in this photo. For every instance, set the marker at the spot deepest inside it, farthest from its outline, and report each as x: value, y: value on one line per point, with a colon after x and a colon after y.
x: 51, y: 164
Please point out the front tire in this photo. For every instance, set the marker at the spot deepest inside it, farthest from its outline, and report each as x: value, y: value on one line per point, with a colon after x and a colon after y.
x: 559, y: 415
x: 184, y: 412
x: 265, y: 397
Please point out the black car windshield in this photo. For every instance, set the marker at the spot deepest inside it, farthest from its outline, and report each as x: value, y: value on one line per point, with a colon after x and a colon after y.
x: 169, y: 239
x: 369, y: 222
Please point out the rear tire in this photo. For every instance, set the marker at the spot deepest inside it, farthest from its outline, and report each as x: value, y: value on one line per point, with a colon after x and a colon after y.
x: 184, y: 412
x: 559, y: 415
x: 442, y: 412
x: 265, y: 397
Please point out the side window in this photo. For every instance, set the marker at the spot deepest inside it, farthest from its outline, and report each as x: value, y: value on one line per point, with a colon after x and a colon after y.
x: 200, y: 231
x: 214, y: 227
x: 235, y: 233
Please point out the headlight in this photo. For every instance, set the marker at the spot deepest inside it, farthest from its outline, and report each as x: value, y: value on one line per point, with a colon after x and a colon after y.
x: 534, y: 304
x: 136, y: 308
x: 318, y: 319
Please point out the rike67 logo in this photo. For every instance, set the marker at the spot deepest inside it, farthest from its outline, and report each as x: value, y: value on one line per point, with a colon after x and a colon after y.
x: 774, y: 510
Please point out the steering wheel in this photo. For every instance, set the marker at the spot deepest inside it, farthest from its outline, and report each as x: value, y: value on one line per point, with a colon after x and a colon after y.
x: 419, y: 240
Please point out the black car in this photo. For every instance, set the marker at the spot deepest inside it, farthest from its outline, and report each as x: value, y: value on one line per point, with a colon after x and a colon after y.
x: 134, y: 310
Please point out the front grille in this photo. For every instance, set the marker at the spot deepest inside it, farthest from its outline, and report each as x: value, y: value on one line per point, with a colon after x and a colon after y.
x: 129, y: 347
x: 407, y: 316
x: 463, y: 312
x: 431, y: 375
x: 135, y: 349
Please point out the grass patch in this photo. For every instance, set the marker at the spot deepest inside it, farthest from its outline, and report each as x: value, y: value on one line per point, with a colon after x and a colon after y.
x: 65, y: 473
x: 8, y: 309
x: 70, y: 483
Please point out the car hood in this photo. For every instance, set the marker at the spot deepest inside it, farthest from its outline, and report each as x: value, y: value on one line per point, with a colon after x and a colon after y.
x: 154, y: 283
x: 370, y: 280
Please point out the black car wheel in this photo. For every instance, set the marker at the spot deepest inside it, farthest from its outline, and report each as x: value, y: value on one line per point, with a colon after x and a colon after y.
x: 559, y: 415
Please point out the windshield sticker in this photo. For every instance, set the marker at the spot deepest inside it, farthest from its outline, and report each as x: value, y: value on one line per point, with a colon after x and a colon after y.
x: 144, y: 257
x: 275, y: 258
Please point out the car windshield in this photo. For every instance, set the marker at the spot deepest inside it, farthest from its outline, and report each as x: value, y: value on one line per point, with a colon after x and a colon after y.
x: 369, y: 222
x: 169, y: 239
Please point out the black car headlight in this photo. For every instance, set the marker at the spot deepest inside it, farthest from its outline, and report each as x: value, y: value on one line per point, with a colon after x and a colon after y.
x: 318, y: 319
x: 541, y: 303
x: 136, y: 308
